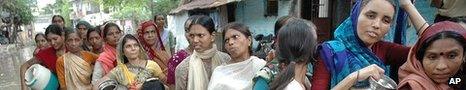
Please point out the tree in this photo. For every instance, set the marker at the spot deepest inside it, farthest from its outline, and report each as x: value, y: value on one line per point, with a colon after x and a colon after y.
x: 14, y: 14
x: 165, y: 6
x: 64, y: 9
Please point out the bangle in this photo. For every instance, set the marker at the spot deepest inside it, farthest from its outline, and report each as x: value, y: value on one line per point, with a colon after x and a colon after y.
x: 419, y: 30
x: 357, y: 77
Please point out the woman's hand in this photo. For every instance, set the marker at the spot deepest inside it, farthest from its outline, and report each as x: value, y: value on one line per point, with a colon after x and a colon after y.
x: 373, y: 71
x: 270, y: 56
x: 135, y: 86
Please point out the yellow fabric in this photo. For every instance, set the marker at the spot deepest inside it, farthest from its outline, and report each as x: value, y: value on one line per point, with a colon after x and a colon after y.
x: 75, y: 72
x: 126, y: 77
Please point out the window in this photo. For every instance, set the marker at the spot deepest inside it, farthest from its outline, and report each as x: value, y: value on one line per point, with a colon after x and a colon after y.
x: 271, y: 7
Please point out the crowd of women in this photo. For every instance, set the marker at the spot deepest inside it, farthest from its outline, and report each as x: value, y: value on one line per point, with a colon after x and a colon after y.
x: 103, y: 57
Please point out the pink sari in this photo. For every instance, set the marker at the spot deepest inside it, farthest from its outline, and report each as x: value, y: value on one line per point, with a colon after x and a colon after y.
x: 107, y: 58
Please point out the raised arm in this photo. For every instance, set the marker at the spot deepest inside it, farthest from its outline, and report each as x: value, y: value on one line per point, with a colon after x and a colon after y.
x: 419, y: 23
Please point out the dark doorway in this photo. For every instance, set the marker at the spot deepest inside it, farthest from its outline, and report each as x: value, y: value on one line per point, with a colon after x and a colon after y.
x: 320, y: 13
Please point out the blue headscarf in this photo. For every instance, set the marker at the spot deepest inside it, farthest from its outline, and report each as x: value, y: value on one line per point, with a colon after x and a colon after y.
x: 347, y: 53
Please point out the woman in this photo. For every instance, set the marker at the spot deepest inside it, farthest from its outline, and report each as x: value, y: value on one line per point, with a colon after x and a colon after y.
x: 295, y: 48
x: 358, y: 51
x: 41, y: 43
x: 266, y: 74
x: 152, y: 42
x: 58, y: 20
x: 133, y: 67
x: 95, y: 40
x: 48, y: 56
x: 106, y: 60
x: 179, y: 56
x: 438, y: 55
x: 168, y: 39
x: 82, y: 27
x: 74, y: 68
x: 194, y: 72
x: 239, y: 71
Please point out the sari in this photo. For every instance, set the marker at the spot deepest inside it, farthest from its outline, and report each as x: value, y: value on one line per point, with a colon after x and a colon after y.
x: 128, y: 74
x: 412, y: 74
x: 48, y: 58
x: 174, y: 61
x: 347, y: 53
x: 75, y: 72
x: 107, y: 58
x: 160, y: 55
x: 236, y: 75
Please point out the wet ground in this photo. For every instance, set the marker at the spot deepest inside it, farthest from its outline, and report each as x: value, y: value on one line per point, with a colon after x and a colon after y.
x: 11, y: 58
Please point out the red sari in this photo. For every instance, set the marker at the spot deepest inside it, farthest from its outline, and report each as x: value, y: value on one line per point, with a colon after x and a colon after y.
x: 48, y: 58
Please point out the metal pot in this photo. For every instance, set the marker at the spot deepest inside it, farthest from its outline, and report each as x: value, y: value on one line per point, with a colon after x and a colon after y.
x: 385, y: 83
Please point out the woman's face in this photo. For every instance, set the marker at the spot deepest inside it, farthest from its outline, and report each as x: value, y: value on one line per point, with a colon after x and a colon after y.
x: 150, y: 35
x: 58, y: 21
x: 374, y: 21
x: 112, y: 36
x: 41, y: 41
x: 201, y: 38
x: 55, y: 40
x: 160, y: 20
x: 82, y: 29
x: 95, y: 40
x: 442, y: 59
x: 236, y: 43
x: 73, y: 42
x: 131, y: 49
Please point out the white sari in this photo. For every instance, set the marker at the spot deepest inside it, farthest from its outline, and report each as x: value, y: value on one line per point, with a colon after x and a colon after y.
x: 236, y: 76
x: 77, y: 72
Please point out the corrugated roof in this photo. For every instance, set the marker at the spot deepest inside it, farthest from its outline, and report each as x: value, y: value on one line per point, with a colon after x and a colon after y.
x: 200, y: 4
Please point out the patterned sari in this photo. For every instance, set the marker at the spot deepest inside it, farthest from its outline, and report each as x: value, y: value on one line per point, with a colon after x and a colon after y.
x: 347, y: 53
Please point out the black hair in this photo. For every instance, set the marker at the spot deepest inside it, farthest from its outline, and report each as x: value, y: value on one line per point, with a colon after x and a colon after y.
x: 107, y: 28
x: 204, y: 21
x: 37, y: 35
x: 68, y: 32
x: 153, y: 84
x: 63, y: 19
x: 188, y: 23
x: 243, y: 29
x: 442, y: 35
x: 54, y: 29
x: 155, y: 16
x: 279, y: 23
x: 296, y: 44
x: 121, y: 47
x: 95, y: 29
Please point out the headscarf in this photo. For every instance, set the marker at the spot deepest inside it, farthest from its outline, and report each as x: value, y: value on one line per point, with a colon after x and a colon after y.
x: 128, y: 77
x: 88, y: 26
x: 412, y: 72
x: 158, y: 56
x: 347, y: 52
